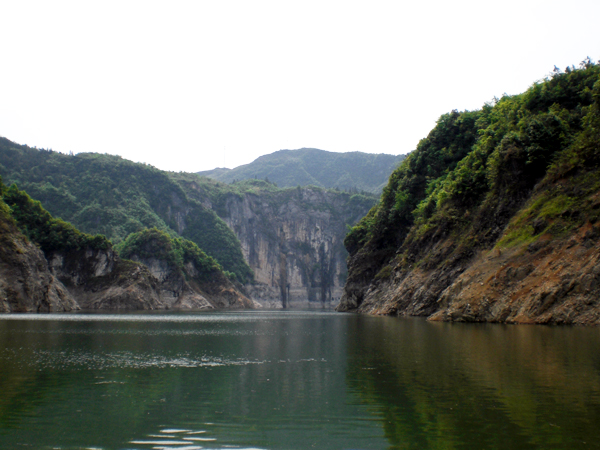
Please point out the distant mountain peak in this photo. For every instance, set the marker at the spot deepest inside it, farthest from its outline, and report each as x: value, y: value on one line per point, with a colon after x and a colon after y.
x: 312, y: 166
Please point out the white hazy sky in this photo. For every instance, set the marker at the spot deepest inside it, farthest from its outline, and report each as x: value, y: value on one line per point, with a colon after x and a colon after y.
x: 193, y: 85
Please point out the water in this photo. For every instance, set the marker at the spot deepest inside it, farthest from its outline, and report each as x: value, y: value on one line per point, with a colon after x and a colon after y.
x: 293, y: 380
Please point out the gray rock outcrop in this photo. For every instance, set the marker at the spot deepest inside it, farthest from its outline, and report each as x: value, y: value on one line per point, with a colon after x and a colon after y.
x: 292, y: 239
x: 26, y: 283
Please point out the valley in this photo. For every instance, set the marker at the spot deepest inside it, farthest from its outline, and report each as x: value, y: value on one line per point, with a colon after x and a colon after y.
x: 277, y: 247
x: 494, y: 217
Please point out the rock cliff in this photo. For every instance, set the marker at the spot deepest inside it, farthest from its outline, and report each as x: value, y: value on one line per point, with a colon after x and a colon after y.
x: 181, y: 289
x: 26, y: 283
x: 57, y: 268
x: 495, y: 217
x: 99, y: 279
x: 291, y: 238
x: 187, y: 277
x: 551, y: 282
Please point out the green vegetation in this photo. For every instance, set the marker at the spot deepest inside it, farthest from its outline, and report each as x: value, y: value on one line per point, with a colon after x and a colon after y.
x: 105, y: 194
x: 8, y: 225
x: 569, y: 194
x: 203, y: 188
x: 352, y: 171
x: 40, y: 227
x: 176, y: 251
x: 477, y: 169
x: 448, y: 143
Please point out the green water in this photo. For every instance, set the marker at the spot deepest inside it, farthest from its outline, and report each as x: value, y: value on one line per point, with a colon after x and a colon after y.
x: 294, y: 380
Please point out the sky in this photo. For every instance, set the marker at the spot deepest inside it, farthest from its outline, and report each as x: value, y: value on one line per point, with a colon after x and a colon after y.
x: 194, y: 85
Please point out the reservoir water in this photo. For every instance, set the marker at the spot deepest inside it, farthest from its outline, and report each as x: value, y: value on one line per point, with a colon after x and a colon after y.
x: 293, y: 380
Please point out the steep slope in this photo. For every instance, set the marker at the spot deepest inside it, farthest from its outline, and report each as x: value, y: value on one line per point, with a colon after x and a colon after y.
x: 310, y: 166
x: 494, y: 216
x: 26, y: 283
x: 188, y: 278
x: 105, y: 194
x: 73, y: 270
x: 85, y: 266
x: 240, y: 223
x: 292, y: 238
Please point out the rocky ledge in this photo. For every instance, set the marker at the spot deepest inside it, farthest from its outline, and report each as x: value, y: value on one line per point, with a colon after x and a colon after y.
x: 547, y: 282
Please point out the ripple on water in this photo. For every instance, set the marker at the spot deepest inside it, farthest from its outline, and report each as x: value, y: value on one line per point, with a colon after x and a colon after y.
x: 129, y: 360
x: 180, y: 438
x: 169, y: 332
x: 174, y: 317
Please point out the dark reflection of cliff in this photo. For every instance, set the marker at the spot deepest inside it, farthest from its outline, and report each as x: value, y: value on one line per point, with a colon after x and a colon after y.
x: 471, y: 386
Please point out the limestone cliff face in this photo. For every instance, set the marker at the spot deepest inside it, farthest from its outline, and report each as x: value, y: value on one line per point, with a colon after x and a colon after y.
x: 551, y: 281
x: 293, y: 241
x: 99, y: 279
x: 31, y: 281
x: 183, y: 290
x: 26, y: 283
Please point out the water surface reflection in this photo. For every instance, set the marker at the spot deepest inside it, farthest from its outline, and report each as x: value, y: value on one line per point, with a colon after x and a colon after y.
x: 440, y: 385
x: 271, y: 380
x: 294, y: 380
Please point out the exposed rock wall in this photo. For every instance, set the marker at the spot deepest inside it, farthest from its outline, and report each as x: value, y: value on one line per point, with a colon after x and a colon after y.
x: 294, y: 247
x: 26, y: 283
x: 293, y: 241
x: 99, y: 279
x: 183, y: 291
x: 550, y: 281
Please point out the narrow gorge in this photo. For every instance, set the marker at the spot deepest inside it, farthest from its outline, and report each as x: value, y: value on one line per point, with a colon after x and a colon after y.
x: 291, y: 238
x: 277, y: 247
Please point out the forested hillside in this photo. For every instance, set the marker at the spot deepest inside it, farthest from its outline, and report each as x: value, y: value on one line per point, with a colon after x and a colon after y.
x: 355, y: 171
x: 49, y: 265
x: 108, y: 195
x: 290, y: 237
x: 26, y: 283
x: 505, y: 199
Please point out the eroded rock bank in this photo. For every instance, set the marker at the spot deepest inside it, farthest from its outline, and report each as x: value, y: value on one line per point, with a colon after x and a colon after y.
x: 551, y: 282
x: 183, y: 290
x: 26, y: 283
x: 99, y: 279
x: 186, y: 276
x: 57, y: 268
x: 494, y: 217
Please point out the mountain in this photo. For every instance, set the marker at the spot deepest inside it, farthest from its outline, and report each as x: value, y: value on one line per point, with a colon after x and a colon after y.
x: 292, y: 238
x: 108, y: 195
x: 309, y: 166
x: 26, y: 283
x: 48, y: 265
x: 285, y: 245
x: 494, y: 217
